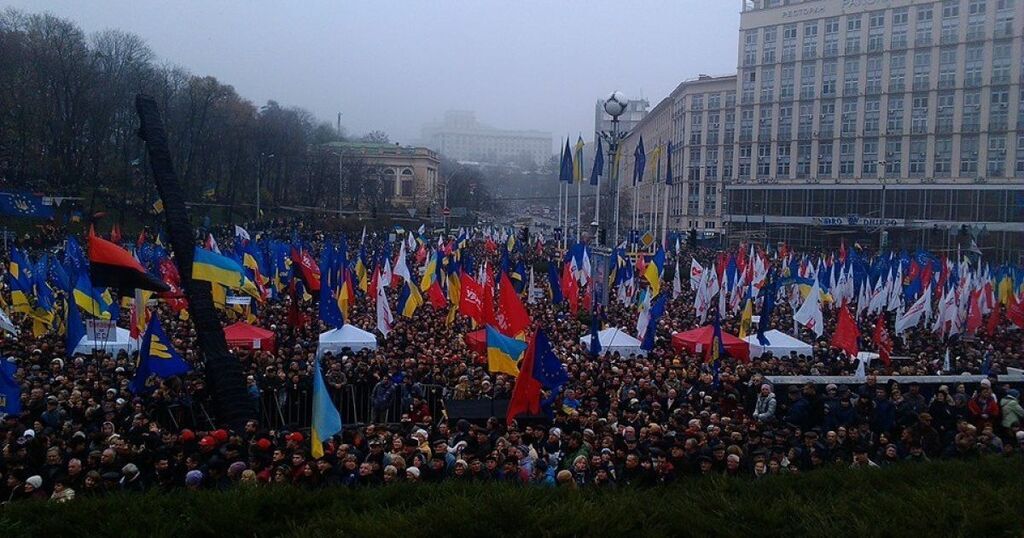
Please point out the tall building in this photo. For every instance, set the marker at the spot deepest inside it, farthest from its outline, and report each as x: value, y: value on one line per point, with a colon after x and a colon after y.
x: 460, y: 136
x: 872, y: 119
x: 636, y: 110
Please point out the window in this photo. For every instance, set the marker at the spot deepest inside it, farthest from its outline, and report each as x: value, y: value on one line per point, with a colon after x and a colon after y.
x: 711, y: 165
x: 789, y: 43
x: 922, y: 68
x: 807, y: 81
x: 944, y: 113
x: 828, y: 78
x: 806, y: 119
x: 998, y: 109
x: 831, y: 37
x: 894, y: 124
x: 827, y: 112
x: 918, y: 156
x: 749, y: 80
x: 872, y: 110
x: 764, y: 160
x: 785, y: 122
x: 919, y: 115
x: 745, y: 153
x: 969, y: 154
x: 825, y: 158
x: 976, y: 20
x: 764, y: 129
x: 897, y: 72
x: 943, y: 156
x: 893, y: 156
x: 768, y: 83
x: 1019, y: 168
x: 996, y: 155
x: 846, y: 158
x: 869, y: 159
x: 810, y: 48
x: 727, y: 156
x: 876, y: 31
x: 972, y: 67
x: 803, y: 160
x: 746, y: 124
x: 874, y: 75
x: 786, y: 82
x: 1000, y: 63
x: 923, y: 36
x: 947, y: 68
x: 1004, y: 19
x: 851, y: 76
x: 849, y: 127
x: 900, y: 17
x: 782, y: 161
x: 950, y: 21
x: 971, y: 114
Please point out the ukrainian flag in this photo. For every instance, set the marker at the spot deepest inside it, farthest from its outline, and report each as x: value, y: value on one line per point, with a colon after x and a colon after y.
x: 503, y: 353
x: 326, y: 419
x: 429, y: 273
x: 90, y: 299
x: 362, y: 273
x: 409, y: 300
x: 218, y: 269
x: 653, y: 271
x: 20, y: 281
x: 346, y: 295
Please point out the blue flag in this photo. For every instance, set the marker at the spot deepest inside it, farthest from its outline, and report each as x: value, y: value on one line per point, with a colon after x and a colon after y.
x: 639, y: 161
x: 75, y: 329
x: 565, y: 166
x: 10, y: 390
x: 556, y: 286
x: 595, y: 341
x: 548, y: 370
x: 766, y: 311
x: 668, y: 169
x: 157, y: 357
x: 24, y: 204
x: 657, y: 310
x: 598, y: 169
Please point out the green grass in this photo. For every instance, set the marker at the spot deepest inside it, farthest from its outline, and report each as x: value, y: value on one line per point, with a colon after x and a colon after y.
x: 982, y: 498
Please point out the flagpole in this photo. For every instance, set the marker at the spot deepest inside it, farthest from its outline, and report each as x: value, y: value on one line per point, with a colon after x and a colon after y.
x: 664, y: 219
x: 579, y: 187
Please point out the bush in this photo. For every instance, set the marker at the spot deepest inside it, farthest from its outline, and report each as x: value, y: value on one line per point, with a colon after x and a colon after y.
x: 950, y: 498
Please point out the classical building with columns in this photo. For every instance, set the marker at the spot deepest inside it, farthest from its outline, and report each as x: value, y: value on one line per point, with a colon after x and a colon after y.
x: 408, y: 174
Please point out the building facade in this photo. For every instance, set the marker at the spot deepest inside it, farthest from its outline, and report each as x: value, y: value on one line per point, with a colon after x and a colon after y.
x: 408, y: 174
x: 461, y: 137
x: 636, y: 110
x: 880, y: 120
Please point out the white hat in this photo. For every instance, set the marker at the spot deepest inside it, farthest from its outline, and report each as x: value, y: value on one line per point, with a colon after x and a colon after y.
x: 35, y: 480
x: 29, y: 433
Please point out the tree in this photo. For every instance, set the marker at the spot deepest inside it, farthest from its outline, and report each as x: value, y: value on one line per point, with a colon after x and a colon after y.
x: 376, y: 137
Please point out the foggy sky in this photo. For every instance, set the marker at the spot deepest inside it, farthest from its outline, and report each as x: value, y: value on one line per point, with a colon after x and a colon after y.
x: 394, y: 65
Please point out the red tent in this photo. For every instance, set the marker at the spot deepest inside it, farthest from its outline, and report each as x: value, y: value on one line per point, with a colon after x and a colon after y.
x: 241, y: 335
x: 701, y: 338
x: 477, y: 341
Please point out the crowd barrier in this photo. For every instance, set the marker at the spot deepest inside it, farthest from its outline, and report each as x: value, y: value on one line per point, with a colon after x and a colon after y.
x: 290, y: 408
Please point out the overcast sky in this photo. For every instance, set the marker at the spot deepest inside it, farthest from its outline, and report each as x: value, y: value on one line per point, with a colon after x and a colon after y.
x: 393, y: 65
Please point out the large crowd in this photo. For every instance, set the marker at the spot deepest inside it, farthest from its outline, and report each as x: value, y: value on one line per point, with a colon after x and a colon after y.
x: 620, y: 421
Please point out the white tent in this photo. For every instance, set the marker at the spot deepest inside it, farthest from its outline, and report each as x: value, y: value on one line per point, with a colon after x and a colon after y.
x: 348, y: 336
x: 780, y: 345
x: 613, y: 339
x: 122, y: 341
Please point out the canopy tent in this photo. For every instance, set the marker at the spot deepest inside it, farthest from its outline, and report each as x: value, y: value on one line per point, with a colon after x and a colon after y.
x: 122, y: 341
x: 780, y: 344
x: 613, y: 339
x: 697, y: 340
x: 477, y: 341
x: 348, y: 336
x: 241, y: 335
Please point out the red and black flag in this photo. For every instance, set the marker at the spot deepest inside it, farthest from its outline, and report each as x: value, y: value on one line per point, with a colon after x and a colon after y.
x: 111, y: 266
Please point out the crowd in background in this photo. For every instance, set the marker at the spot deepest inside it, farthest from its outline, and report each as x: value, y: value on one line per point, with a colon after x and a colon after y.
x: 634, y: 420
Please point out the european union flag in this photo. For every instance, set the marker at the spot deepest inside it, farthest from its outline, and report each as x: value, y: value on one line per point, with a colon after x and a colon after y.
x: 598, y: 169
x: 24, y: 204
x: 547, y: 369
x: 10, y: 390
x: 157, y: 357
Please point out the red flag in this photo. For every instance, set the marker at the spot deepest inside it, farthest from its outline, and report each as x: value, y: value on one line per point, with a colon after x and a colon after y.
x: 641, y: 264
x: 111, y: 266
x: 421, y: 254
x: 588, y: 297
x: 539, y: 250
x: 571, y: 289
x: 308, y: 268
x: 471, y: 298
x: 1015, y: 312
x: 993, y: 320
x: 296, y: 318
x: 175, y: 296
x: 511, y: 318
x: 526, y: 394
x: 490, y: 246
x: 882, y: 340
x: 436, y: 296
x: 842, y: 250
x: 974, y: 312
x: 115, y: 234
x: 487, y: 309
x: 845, y: 337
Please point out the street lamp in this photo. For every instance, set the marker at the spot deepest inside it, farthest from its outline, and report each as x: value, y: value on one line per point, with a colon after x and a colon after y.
x: 615, y: 105
x: 259, y: 181
x: 882, y: 236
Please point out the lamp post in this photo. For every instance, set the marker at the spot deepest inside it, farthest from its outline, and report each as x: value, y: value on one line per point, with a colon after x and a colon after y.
x: 882, y: 236
x: 259, y: 180
x: 615, y: 105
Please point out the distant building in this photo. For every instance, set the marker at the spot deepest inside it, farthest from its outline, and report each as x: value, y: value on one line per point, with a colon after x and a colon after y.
x: 461, y: 137
x: 636, y: 110
x: 408, y: 174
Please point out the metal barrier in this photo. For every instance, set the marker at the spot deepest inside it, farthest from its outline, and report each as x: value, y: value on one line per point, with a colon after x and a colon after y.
x: 293, y: 408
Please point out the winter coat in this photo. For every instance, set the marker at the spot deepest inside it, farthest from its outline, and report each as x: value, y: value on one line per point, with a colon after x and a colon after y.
x: 1012, y: 411
x: 764, y: 409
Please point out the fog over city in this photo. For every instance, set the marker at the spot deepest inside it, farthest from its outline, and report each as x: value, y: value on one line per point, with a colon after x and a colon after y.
x: 393, y: 66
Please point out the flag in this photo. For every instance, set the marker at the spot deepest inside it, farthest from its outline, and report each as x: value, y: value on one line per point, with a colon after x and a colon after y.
x: 764, y: 324
x: 409, y: 299
x: 307, y: 268
x: 565, y: 166
x: 74, y: 329
x: 913, y: 315
x: 809, y: 314
x: 654, y: 269
x: 241, y: 233
x: 111, y: 266
x: 747, y: 316
x: 639, y: 161
x: 503, y: 353
x: 696, y: 272
x: 677, y: 283
x: 577, y: 162
x: 346, y: 295
x: 10, y: 389
x: 511, y: 316
x: 598, y: 169
x: 384, y: 317
x: 1015, y: 311
x: 554, y: 284
x: 326, y: 419
x: 595, y: 329
x: 471, y: 302
x: 882, y: 340
x: 218, y: 269
x: 540, y: 368
x: 401, y: 268
x: 993, y: 321
x: 847, y: 333
x: 156, y: 357
x: 657, y: 310
x: 6, y: 324
x: 24, y: 204
x: 717, y: 349
x: 668, y: 168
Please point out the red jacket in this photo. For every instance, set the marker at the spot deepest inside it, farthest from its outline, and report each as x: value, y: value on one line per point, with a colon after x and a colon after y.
x: 983, y: 406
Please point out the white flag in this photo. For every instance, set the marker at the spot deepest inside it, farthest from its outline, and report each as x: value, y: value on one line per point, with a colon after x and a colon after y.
x: 644, y: 319
x: 809, y: 314
x: 913, y: 315
x: 401, y: 268
x: 384, y: 317
x: 696, y: 272
x: 241, y: 232
x: 7, y: 325
x: 677, y: 283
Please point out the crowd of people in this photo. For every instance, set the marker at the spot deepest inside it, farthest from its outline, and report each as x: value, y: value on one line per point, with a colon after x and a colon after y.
x: 636, y: 420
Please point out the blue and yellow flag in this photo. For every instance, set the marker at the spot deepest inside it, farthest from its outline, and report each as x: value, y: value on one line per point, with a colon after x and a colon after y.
x: 326, y: 419
x: 90, y: 299
x: 503, y: 353
x: 409, y: 300
x: 219, y: 269
x: 654, y: 270
x: 157, y: 357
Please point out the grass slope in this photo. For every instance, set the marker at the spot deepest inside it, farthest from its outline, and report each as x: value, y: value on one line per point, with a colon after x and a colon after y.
x: 983, y: 498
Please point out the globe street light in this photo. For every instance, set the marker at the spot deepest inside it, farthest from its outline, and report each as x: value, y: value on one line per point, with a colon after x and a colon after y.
x: 615, y: 105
